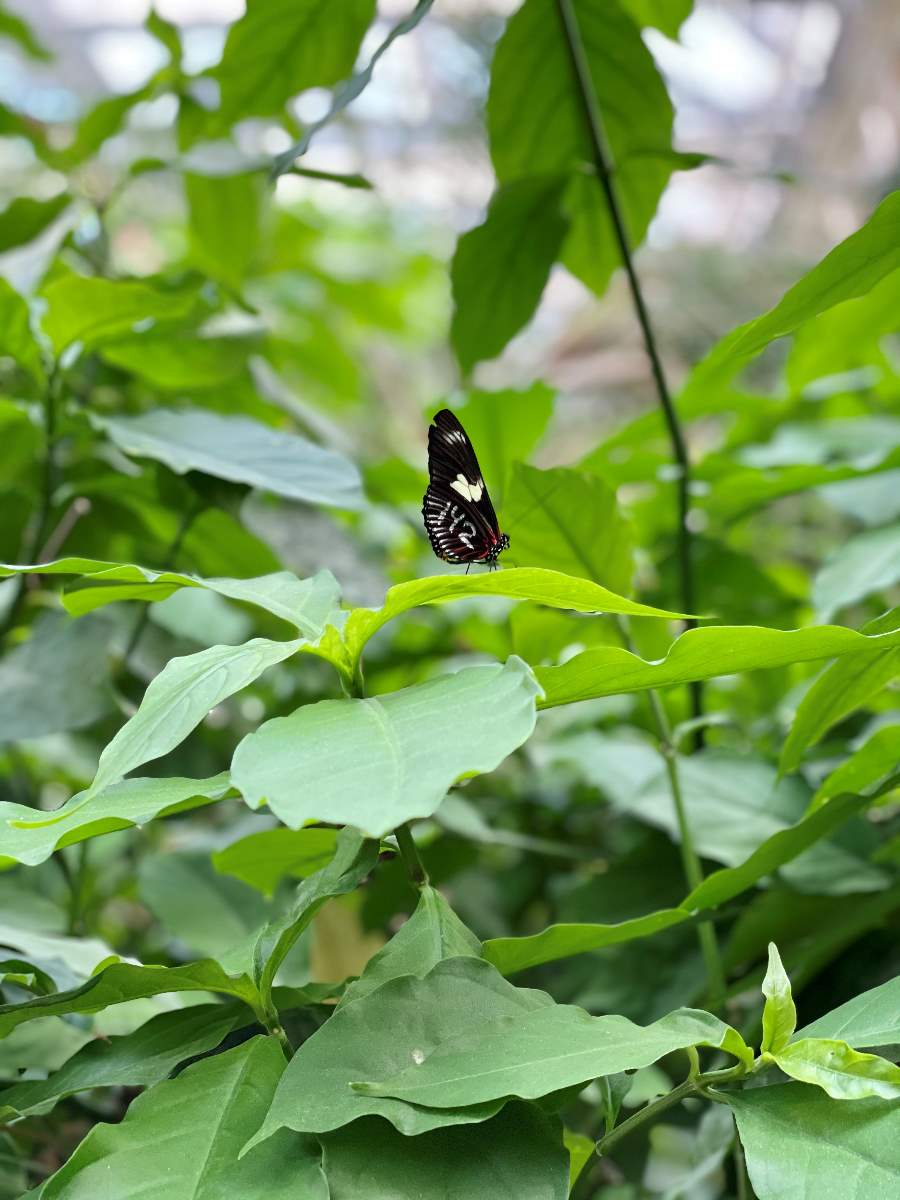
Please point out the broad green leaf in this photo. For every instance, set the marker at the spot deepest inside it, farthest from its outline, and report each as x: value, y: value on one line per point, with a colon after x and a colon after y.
x: 505, y: 427
x: 665, y: 15
x: 533, y: 87
x: 873, y: 762
x: 241, y: 450
x: 23, y: 219
x: 16, y: 338
x: 501, y: 267
x: 383, y: 1032
x: 137, y: 1059
x: 569, y: 521
x: 282, y: 47
x: 843, y: 1073
x: 801, y: 1144
x: 518, y: 1155
x: 123, y: 981
x: 195, y: 615
x: 189, y: 1132
x: 30, y: 836
x: 179, y: 697
x: 866, y: 564
x: 701, y: 654
x: 263, y: 859
x: 180, y: 361
x: 532, y: 1054
x: 870, y: 1019
x: 92, y: 311
x: 845, y: 686
x: 511, y: 954
x: 378, y: 762
x: 851, y: 269
x: 433, y: 933
x: 516, y: 583
x: 780, y: 1013
x: 75, y: 656
x: 224, y: 214
x: 581, y: 1150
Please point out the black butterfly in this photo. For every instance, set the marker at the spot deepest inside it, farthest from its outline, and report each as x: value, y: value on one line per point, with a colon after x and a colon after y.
x: 459, y: 517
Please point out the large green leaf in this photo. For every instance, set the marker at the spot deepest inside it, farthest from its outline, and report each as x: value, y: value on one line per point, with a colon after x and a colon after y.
x: 281, y: 47
x: 569, y: 521
x: 16, y: 338
x: 842, y: 1072
x: 801, y: 1144
x: 241, y: 450
x: 29, y: 836
x: 380, y: 1034
x: 179, y: 361
x: 518, y: 1155
x: 224, y: 224
x: 849, y: 270
x: 501, y: 267
x: 870, y: 1019
x: 379, y: 762
x: 91, y: 311
x: 530, y: 1055
x: 873, y: 762
x: 537, y: 125
x: 137, y: 1059
x: 264, y: 858
x: 23, y: 219
x: 187, y: 1133
x: 862, y: 565
x: 701, y: 654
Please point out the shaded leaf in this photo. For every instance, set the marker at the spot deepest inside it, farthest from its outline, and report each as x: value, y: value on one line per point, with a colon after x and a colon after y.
x: 263, y: 859
x: 505, y: 427
x: 870, y: 1019
x: 862, y: 565
x: 872, y: 763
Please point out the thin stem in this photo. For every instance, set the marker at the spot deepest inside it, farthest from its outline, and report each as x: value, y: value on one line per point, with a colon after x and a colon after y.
x: 742, y: 1179
x: 410, y: 854
x: 604, y: 167
x: 76, y: 888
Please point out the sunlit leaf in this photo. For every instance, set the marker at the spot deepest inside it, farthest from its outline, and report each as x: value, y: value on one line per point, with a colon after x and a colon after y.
x: 91, y: 311
x: 843, y: 1073
x: 16, y: 338
x: 873, y: 762
x: 870, y: 1019
x: 23, y: 219
x: 780, y: 1013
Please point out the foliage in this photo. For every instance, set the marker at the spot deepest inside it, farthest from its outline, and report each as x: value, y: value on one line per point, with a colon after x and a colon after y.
x: 283, y: 806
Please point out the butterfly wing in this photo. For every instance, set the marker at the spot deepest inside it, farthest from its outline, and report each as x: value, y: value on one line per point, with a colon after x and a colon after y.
x: 459, y: 516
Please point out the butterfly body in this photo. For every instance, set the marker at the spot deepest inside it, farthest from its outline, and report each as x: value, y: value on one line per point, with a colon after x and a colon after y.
x: 459, y: 517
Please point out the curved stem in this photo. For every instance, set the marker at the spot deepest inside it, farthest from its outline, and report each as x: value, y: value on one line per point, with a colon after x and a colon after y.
x: 410, y: 854
x: 604, y: 168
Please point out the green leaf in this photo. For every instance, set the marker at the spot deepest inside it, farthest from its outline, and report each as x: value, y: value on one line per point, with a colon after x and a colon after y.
x: 23, y: 218
x: 432, y: 934
x: 123, y: 981
x: 181, y: 362
x: 780, y: 1013
x: 137, y: 1059
x: 282, y: 47
x: 665, y: 15
x: 838, y: 1070
x: 402, y: 763
x: 532, y: 1054
x: 198, y: 1122
x: 12, y: 26
x: 872, y: 763
x: 381, y: 1033
x: 75, y: 655
x: 533, y: 87
x: 16, y: 338
x: 263, y: 859
x: 30, y: 837
x: 870, y: 1019
x: 517, y: 583
x: 501, y: 267
x: 93, y: 311
x: 862, y: 565
x: 224, y: 214
x: 569, y: 521
x: 701, y: 654
x: 505, y: 427
x: 581, y: 1150
x: 800, y: 1143
x: 851, y: 269
x: 518, y: 1155
x: 239, y: 449
x: 166, y: 34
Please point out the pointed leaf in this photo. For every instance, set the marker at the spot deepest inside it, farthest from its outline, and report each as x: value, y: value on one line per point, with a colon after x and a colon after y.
x: 866, y: 767
x: 780, y: 1013
x: 91, y: 311
x: 870, y: 1019
x: 263, y: 859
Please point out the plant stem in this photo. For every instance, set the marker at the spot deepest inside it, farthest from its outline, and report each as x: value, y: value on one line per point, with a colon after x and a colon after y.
x: 742, y: 1179
x: 604, y: 167
x: 410, y: 854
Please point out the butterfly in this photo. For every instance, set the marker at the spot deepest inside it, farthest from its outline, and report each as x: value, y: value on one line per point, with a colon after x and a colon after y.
x: 459, y: 518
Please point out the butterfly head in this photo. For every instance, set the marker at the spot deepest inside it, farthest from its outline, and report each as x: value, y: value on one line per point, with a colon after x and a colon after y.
x: 501, y: 545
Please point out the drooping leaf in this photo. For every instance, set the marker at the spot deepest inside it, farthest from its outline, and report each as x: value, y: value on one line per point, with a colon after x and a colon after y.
x: 870, y: 1019
x: 532, y: 1054
x: 241, y: 450
x: 202, y: 1119
x: 23, y: 219
x: 800, y: 1143
x: 701, y: 654
x: 263, y: 859
x: 378, y: 762
x: 780, y: 1013
x: 865, y: 564
x: 92, y: 310
x: 842, y: 1072
x: 501, y: 267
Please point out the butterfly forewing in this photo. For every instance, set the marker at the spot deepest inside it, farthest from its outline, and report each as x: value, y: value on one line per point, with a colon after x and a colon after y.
x: 459, y: 517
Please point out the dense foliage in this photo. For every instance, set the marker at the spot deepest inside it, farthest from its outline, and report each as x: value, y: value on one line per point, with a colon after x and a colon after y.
x: 470, y: 885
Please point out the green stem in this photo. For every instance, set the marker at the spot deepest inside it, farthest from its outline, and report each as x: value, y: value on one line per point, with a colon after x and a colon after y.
x: 742, y: 1179
x: 605, y: 168
x: 76, y: 880
x: 410, y: 854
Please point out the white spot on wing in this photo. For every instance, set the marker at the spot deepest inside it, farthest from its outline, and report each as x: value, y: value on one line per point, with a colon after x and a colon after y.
x: 468, y: 491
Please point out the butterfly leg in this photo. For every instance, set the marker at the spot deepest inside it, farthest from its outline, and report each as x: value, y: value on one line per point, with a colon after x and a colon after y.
x: 467, y: 567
